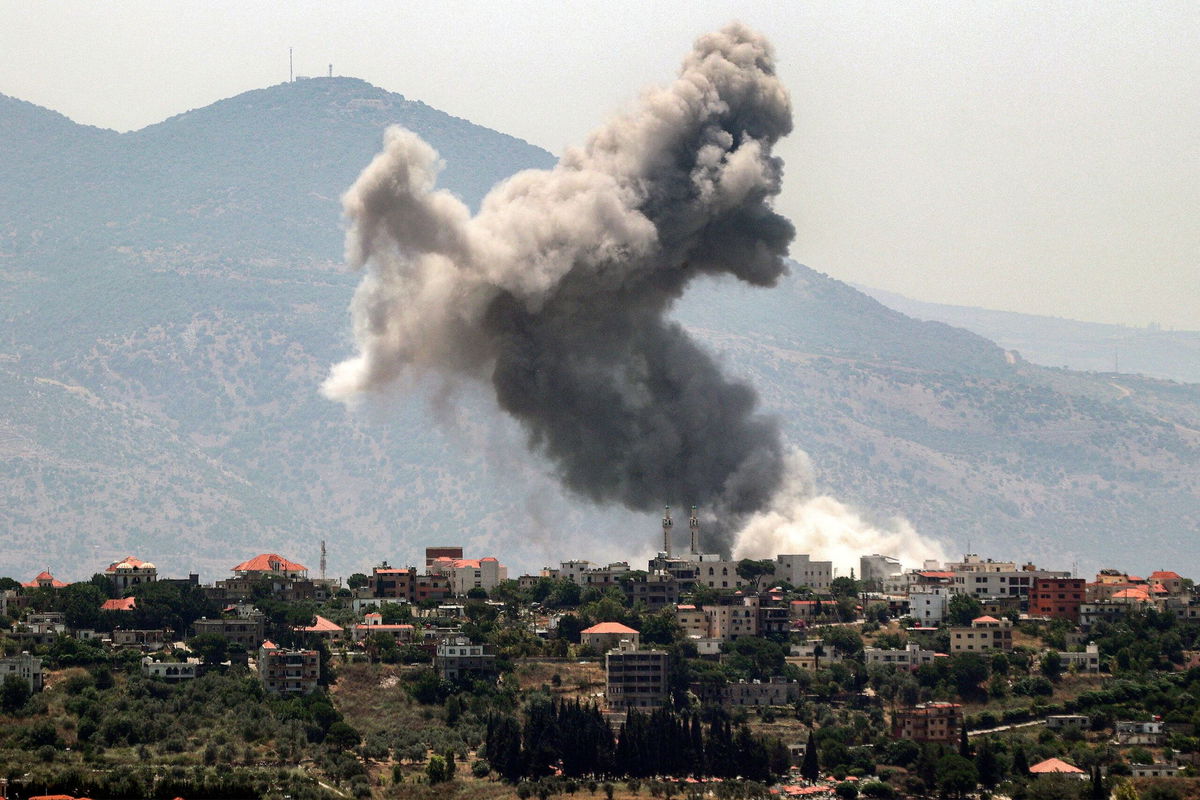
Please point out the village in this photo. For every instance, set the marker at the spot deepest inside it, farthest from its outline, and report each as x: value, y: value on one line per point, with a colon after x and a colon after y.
x: 992, y: 663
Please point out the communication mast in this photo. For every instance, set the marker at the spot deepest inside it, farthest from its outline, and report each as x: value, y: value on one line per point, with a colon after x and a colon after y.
x: 667, y: 523
x: 322, y: 559
x: 291, y: 76
x: 694, y: 526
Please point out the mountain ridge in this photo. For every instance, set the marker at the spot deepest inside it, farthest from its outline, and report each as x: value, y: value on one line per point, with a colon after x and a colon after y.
x: 166, y: 326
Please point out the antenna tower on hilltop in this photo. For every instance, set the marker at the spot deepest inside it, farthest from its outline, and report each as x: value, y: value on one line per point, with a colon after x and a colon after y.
x: 291, y: 76
x: 322, y: 559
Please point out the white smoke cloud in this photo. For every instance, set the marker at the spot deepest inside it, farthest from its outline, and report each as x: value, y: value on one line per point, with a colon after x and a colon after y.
x: 800, y: 521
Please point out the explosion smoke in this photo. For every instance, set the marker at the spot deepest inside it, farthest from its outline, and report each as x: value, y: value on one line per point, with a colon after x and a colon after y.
x: 557, y: 290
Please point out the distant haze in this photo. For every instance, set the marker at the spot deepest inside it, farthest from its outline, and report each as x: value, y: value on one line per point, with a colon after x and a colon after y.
x: 1030, y: 157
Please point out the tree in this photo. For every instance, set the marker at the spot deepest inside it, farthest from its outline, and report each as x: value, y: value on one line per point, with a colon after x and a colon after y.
x: 963, y: 608
x: 211, y: 647
x: 14, y: 694
x: 986, y: 764
x: 956, y: 775
x: 357, y: 581
x: 1052, y: 665
x: 968, y: 670
x: 810, y: 768
x: 750, y: 570
x: 844, y: 640
x: 436, y: 770
x: 843, y: 587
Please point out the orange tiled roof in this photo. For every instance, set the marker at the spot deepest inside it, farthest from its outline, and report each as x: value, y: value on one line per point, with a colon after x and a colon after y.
x: 119, y: 604
x: 1165, y: 576
x: 985, y: 619
x: 322, y: 625
x: 609, y: 627
x: 137, y: 562
x: 270, y: 562
x: 41, y: 578
x: 1054, y: 765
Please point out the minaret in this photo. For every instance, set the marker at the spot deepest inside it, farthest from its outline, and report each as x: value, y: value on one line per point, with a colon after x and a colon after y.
x: 694, y: 525
x: 667, y: 530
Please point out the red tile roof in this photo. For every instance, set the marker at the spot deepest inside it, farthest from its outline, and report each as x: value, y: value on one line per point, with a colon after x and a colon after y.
x: 984, y: 618
x: 1165, y: 576
x: 42, y: 577
x: 136, y: 562
x: 609, y: 627
x: 322, y: 625
x: 119, y: 604
x: 270, y: 562
x: 1054, y: 765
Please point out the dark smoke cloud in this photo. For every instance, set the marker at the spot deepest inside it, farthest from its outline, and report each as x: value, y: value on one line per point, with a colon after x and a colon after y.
x: 556, y: 291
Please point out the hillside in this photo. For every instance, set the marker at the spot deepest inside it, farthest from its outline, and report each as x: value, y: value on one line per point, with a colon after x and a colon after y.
x: 172, y: 299
x: 1054, y: 342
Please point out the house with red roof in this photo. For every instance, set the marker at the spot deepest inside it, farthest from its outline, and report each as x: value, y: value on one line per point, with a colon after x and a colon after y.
x: 325, y: 629
x: 45, y: 580
x: 131, y: 571
x: 605, y: 636
x: 1056, y: 766
x: 984, y: 635
x: 1171, y: 582
x: 119, y: 604
x: 270, y: 565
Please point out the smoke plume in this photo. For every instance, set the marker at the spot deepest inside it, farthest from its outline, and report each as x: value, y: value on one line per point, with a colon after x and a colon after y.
x: 557, y: 290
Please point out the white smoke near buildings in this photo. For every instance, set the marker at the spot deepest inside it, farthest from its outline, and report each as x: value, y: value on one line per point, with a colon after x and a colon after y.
x: 557, y: 292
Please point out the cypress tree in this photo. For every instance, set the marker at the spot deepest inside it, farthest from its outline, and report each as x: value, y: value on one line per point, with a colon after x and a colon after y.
x: 810, y: 768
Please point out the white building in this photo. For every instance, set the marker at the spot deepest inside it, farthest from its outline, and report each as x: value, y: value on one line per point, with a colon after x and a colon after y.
x: 911, y: 657
x: 801, y: 570
x: 24, y: 666
x: 1087, y: 661
x: 130, y: 572
x: 171, y: 671
x: 465, y: 574
x: 718, y: 574
x: 928, y: 606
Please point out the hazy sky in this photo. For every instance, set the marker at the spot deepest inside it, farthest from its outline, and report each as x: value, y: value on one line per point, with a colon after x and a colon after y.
x: 1040, y: 157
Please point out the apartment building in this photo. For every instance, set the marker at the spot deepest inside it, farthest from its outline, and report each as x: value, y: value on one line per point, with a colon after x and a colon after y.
x: 636, y: 678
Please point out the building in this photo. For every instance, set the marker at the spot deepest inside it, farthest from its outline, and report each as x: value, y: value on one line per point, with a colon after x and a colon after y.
x: 434, y: 553
x: 373, y: 624
x: 778, y: 691
x: 875, y: 571
x: 467, y: 574
x: 24, y: 666
x: 928, y: 606
x: 119, y: 604
x: 801, y: 570
x: 142, y: 639
x: 1150, y: 732
x: 910, y: 657
x: 1171, y: 582
x: 1154, y: 770
x: 1087, y: 661
x: 983, y: 635
x: 636, y: 678
x: 45, y: 580
x: 172, y: 671
x: 457, y: 658
x: 1056, y: 766
x: 929, y: 722
x: 656, y: 590
x: 1057, y: 722
x: 246, y: 632
x: 732, y: 621
x: 327, y: 630
x: 391, y: 583
x: 288, y: 672
x: 606, y: 636
x: 1057, y: 598
x: 718, y: 574
x: 270, y: 565
x: 130, y: 572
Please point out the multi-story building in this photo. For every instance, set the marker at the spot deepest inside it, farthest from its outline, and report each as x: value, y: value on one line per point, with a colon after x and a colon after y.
x: 605, y: 636
x: 983, y: 635
x: 24, y: 666
x: 130, y: 572
x: 928, y: 606
x: 452, y: 552
x: 466, y: 574
x: 929, y: 722
x: 636, y: 678
x: 432, y: 588
x: 143, y: 639
x: 326, y: 630
x: 288, y: 672
x: 1171, y: 582
x: 801, y: 570
x: 730, y: 622
x: 1057, y: 598
x: 373, y: 624
x: 458, y: 657
x: 656, y: 590
x: 392, y: 583
x: 1150, y: 732
x: 876, y: 571
x: 246, y: 632
x: 910, y: 657
x: 1087, y: 661
x: 172, y: 671
x: 777, y: 691
x: 718, y: 574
